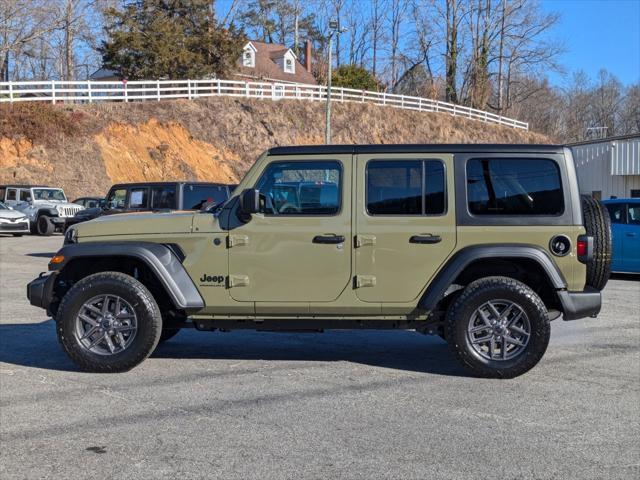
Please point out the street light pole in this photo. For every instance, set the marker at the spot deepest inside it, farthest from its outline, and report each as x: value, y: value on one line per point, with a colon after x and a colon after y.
x: 327, y: 125
x: 334, y: 29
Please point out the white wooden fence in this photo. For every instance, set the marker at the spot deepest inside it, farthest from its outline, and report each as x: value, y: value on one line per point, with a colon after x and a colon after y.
x: 143, y: 90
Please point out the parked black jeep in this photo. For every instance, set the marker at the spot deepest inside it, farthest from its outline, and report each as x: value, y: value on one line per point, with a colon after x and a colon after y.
x: 140, y: 197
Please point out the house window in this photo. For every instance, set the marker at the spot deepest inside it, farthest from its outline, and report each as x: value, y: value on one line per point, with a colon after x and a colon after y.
x: 289, y: 65
x: 248, y: 58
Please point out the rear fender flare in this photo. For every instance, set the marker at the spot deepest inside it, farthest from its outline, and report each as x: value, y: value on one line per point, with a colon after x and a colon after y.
x: 459, y: 261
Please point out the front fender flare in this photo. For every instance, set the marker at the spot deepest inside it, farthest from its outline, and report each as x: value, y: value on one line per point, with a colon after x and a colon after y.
x: 159, y: 258
x: 456, y: 264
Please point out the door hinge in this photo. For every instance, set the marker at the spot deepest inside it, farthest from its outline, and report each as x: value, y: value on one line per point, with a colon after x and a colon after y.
x: 236, y: 240
x: 238, y: 280
x: 365, y: 281
x: 363, y: 240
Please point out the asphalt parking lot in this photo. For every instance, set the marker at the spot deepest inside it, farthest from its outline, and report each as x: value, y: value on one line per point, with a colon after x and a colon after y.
x: 334, y: 405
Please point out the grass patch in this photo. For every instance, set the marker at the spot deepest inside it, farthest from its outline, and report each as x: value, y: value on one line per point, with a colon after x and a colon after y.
x: 40, y: 123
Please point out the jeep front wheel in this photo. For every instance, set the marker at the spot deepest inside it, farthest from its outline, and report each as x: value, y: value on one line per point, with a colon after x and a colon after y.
x: 498, y: 327
x: 44, y: 226
x: 108, y: 322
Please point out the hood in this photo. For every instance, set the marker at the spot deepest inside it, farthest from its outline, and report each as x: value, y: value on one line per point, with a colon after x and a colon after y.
x: 11, y: 214
x: 90, y: 212
x: 55, y: 203
x: 132, y: 224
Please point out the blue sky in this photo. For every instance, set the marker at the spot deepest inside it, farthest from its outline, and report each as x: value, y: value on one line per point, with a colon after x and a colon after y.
x: 599, y: 34
x: 596, y: 34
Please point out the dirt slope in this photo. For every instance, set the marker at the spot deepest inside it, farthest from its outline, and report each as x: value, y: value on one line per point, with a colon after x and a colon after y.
x: 86, y: 148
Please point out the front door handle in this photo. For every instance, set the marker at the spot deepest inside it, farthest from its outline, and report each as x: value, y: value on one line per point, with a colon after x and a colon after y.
x: 425, y: 239
x: 631, y: 234
x: 328, y: 239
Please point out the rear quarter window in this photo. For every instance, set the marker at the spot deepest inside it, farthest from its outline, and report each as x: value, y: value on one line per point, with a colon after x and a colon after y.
x: 514, y: 186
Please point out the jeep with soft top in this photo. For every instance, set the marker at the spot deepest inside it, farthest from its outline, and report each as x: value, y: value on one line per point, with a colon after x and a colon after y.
x: 483, y: 245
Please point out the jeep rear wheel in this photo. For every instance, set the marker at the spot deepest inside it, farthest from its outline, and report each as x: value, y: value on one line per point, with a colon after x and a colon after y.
x: 44, y: 226
x: 598, y: 225
x: 108, y: 322
x: 498, y: 327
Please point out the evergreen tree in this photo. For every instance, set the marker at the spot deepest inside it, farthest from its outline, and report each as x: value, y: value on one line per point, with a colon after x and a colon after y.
x: 354, y: 76
x: 174, y: 39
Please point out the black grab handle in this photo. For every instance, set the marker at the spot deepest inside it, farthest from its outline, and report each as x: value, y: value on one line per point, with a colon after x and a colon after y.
x: 425, y: 239
x: 328, y: 239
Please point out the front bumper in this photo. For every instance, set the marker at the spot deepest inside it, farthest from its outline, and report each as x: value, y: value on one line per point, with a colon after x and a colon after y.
x: 15, y: 227
x: 583, y: 304
x: 40, y: 290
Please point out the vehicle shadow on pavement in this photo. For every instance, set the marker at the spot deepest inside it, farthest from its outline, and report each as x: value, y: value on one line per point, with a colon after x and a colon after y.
x: 35, y: 345
x: 626, y: 276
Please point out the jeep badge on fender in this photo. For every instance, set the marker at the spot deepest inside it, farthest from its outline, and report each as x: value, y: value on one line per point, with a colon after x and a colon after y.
x: 212, y: 278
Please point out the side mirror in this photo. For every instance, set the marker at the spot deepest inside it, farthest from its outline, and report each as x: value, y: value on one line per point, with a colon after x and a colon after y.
x: 249, y: 203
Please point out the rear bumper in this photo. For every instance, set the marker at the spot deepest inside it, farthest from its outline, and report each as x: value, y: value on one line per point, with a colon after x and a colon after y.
x: 577, y: 305
x: 40, y: 290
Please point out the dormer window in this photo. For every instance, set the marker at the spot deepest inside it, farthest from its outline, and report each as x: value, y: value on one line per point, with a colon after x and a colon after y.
x: 249, y: 56
x: 289, y: 66
x: 248, y: 59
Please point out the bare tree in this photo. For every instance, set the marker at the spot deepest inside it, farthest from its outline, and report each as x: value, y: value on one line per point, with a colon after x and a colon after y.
x: 22, y: 24
x: 376, y: 25
x: 397, y: 10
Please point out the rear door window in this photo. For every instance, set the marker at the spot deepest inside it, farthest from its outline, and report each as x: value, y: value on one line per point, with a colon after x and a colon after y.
x: 139, y: 198
x: 514, y: 186
x: 163, y: 197
x: 405, y: 187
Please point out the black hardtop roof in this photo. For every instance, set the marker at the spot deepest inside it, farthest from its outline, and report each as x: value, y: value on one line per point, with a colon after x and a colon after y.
x: 179, y: 182
x: 417, y: 148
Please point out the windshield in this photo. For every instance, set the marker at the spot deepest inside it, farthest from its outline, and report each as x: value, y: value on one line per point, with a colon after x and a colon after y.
x: 3, y: 206
x: 49, y: 194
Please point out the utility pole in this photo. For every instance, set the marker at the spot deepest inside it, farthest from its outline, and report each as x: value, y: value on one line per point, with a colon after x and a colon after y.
x: 333, y: 30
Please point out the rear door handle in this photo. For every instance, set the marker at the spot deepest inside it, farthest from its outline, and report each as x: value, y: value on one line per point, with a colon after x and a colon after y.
x: 328, y: 239
x: 630, y: 234
x: 425, y: 239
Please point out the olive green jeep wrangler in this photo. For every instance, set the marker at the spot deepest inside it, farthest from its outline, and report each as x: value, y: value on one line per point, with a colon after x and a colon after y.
x: 480, y: 244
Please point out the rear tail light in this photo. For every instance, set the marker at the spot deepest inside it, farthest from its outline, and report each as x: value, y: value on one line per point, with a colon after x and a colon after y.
x: 584, y: 248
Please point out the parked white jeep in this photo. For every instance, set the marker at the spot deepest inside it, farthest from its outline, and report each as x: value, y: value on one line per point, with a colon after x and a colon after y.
x: 46, y: 207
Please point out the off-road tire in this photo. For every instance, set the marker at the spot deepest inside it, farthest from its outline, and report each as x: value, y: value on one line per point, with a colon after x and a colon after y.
x: 44, y: 227
x: 475, y: 295
x: 148, y: 317
x: 598, y: 225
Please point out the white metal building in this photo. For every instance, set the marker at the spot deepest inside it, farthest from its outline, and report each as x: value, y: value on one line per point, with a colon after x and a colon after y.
x: 609, y: 167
